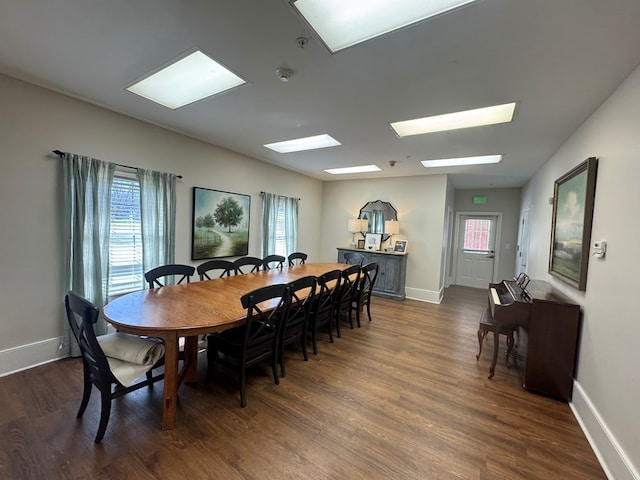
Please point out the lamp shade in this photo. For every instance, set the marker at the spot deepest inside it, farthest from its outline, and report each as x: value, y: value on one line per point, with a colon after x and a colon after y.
x: 353, y: 225
x: 392, y: 227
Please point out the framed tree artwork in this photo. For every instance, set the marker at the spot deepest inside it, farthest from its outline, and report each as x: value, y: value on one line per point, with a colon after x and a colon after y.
x: 573, y: 199
x: 220, y: 224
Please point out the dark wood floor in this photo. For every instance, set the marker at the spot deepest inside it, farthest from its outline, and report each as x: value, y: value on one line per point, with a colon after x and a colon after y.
x: 400, y: 398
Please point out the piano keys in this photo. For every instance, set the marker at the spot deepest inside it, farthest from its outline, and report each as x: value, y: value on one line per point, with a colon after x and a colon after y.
x: 547, y: 325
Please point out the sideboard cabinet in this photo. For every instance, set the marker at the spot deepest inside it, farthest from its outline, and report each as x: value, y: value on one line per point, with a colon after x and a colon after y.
x: 391, y: 274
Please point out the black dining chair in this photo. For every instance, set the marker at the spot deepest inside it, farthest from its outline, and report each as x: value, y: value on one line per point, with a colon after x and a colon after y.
x: 322, y: 308
x: 247, y: 265
x: 297, y: 258
x: 273, y: 261
x: 348, y: 285
x: 255, y: 341
x: 353, y: 258
x: 184, y: 272
x: 82, y: 316
x: 296, y: 320
x: 362, y: 293
x: 222, y: 268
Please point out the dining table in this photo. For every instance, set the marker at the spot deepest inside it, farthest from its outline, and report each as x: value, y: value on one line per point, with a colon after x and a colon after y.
x: 190, y: 310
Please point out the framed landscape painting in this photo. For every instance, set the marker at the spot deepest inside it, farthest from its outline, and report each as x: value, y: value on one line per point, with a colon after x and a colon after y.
x: 220, y: 226
x: 573, y: 200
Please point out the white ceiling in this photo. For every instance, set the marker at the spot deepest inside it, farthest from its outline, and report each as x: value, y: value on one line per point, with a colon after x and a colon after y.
x: 558, y: 59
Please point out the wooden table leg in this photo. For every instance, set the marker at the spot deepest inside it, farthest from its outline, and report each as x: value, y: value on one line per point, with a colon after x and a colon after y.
x: 170, y: 381
x: 191, y: 359
x: 496, y: 347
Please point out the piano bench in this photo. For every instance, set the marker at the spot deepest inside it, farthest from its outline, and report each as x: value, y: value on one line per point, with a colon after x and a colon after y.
x: 486, y: 325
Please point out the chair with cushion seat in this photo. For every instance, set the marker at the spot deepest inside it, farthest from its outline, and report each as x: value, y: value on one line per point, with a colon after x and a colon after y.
x: 353, y: 258
x: 114, y: 376
x: 348, y: 284
x: 276, y: 260
x: 257, y: 340
x: 297, y: 258
x: 362, y: 293
x: 154, y: 275
x: 223, y: 268
x: 323, y: 305
x: 247, y: 265
x: 295, y: 322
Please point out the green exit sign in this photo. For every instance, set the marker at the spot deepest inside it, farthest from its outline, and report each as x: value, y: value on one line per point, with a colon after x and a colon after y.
x: 480, y: 200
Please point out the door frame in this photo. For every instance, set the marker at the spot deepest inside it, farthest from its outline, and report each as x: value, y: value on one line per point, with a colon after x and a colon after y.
x: 456, y: 239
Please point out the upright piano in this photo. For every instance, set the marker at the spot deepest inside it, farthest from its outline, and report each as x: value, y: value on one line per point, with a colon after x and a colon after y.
x: 547, y: 340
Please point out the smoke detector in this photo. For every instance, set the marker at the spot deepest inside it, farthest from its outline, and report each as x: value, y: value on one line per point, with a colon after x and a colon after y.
x: 284, y: 74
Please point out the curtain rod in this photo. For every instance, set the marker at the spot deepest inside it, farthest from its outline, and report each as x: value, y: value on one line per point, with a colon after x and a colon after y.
x: 262, y: 193
x: 62, y: 154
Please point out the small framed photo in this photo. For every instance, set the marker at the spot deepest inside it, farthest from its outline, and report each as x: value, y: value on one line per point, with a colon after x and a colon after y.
x: 372, y: 241
x: 361, y: 243
x: 400, y: 246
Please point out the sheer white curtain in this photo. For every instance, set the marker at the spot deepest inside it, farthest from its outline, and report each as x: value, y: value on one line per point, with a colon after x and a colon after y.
x: 269, y: 222
x: 87, y: 204
x: 279, y: 224
x: 87, y: 184
x: 291, y: 224
x: 158, y: 215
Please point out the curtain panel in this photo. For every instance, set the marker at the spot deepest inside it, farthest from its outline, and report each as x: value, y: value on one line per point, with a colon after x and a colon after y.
x: 87, y: 206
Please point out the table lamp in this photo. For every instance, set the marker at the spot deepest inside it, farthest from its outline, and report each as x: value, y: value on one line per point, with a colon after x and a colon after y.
x: 391, y: 227
x: 353, y: 225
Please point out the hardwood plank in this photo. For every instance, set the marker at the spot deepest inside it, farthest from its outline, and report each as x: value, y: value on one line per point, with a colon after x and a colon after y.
x: 403, y: 397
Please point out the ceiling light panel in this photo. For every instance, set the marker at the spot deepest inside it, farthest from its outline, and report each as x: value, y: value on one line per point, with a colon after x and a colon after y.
x: 306, y: 143
x: 359, y: 169
x: 185, y: 81
x: 454, y: 121
x: 457, y: 162
x: 341, y: 24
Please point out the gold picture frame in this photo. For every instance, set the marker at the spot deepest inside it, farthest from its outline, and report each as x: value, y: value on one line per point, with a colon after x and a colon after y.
x: 573, y: 200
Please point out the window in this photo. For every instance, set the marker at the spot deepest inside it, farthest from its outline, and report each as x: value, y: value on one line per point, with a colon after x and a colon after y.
x: 125, y: 236
x: 477, y: 235
x: 281, y: 230
x: 279, y: 224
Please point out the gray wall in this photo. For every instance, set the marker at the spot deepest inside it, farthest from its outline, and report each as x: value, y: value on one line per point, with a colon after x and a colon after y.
x: 506, y: 201
x: 420, y: 202
x: 35, y: 121
x: 607, y: 389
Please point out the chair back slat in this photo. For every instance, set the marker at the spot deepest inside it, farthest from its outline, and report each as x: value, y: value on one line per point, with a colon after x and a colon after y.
x: 328, y: 291
x: 297, y: 258
x: 224, y: 269
x: 265, y: 306
x: 276, y: 260
x: 247, y: 265
x: 154, y: 275
x: 82, y: 315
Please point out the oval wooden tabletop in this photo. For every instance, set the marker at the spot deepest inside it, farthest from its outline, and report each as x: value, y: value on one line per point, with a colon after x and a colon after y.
x: 199, y: 307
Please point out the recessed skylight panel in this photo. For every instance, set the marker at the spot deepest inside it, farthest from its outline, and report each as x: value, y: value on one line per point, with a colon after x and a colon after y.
x: 306, y: 143
x: 456, y: 120
x: 185, y: 81
x: 343, y: 23
x: 358, y: 169
x: 462, y: 161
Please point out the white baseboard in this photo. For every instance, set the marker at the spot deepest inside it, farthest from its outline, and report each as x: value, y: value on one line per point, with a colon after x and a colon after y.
x: 429, y: 296
x: 15, y: 359
x: 611, y: 456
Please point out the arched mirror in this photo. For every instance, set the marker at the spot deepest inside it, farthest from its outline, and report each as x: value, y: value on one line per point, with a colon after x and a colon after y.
x: 376, y: 213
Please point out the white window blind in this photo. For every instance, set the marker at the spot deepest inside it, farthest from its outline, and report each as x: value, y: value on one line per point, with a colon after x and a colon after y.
x: 281, y: 231
x: 125, y: 241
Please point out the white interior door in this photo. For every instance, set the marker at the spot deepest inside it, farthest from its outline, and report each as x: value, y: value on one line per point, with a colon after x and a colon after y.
x: 476, y: 250
x: 523, y: 243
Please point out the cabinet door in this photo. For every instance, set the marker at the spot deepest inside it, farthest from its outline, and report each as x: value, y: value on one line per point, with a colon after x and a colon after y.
x: 389, y: 275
